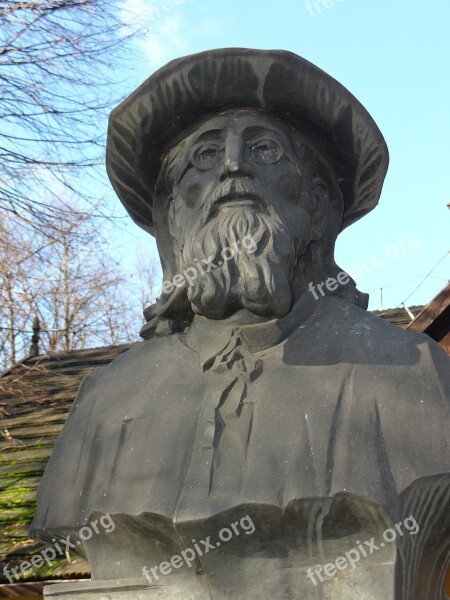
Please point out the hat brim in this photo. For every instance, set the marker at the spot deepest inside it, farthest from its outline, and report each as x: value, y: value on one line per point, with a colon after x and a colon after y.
x: 189, y: 89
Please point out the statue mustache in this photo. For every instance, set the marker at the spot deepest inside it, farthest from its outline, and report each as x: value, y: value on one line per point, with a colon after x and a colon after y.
x: 233, y: 189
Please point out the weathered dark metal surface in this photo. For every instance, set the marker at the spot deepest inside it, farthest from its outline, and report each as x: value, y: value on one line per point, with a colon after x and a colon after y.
x: 264, y: 392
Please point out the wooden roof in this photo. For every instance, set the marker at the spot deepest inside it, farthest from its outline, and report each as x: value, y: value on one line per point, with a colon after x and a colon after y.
x: 35, y: 399
x: 399, y: 316
x: 434, y: 319
x: 432, y: 311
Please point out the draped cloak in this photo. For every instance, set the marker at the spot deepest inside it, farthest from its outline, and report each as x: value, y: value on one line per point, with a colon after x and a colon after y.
x: 330, y: 399
x: 339, y: 401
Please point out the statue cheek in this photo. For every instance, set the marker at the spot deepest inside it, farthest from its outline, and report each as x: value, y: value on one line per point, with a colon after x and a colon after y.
x: 194, y: 189
x: 290, y: 186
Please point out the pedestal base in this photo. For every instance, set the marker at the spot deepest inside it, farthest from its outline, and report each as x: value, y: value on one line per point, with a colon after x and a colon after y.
x: 123, y: 589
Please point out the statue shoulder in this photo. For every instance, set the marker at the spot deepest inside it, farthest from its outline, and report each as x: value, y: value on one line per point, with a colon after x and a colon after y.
x: 143, y: 360
x: 340, y: 332
x: 353, y: 321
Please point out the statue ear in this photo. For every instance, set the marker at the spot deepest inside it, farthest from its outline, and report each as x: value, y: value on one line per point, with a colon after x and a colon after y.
x: 319, y: 220
x: 170, y: 208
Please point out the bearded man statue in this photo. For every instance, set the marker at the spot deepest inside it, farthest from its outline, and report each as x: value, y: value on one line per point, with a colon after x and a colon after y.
x: 264, y: 440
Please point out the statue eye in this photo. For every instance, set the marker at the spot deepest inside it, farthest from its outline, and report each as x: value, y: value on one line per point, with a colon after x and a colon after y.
x: 207, y: 156
x: 266, y: 152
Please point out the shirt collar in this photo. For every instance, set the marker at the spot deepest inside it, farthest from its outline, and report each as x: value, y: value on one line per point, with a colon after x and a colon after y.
x: 209, y: 337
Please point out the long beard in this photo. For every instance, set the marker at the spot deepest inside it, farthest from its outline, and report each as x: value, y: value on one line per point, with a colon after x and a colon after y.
x: 257, y: 278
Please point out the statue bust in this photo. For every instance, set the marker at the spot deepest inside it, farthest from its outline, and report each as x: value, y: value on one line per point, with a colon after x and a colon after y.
x: 264, y: 400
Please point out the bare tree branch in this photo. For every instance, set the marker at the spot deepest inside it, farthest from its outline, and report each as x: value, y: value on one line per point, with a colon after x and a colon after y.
x: 72, y: 283
x: 59, y: 61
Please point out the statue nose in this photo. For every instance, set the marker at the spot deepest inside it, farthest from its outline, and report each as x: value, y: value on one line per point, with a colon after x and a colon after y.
x: 233, y: 153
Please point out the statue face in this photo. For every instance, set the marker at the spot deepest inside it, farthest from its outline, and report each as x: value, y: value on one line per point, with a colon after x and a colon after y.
x: 240, y: 159
x: 239, y: 175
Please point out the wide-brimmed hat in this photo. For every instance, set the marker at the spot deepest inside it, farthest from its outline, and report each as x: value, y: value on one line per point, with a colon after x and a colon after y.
x: 285, y: 85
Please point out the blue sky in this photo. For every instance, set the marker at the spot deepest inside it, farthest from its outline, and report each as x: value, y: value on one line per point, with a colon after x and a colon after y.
x: 394, y: 57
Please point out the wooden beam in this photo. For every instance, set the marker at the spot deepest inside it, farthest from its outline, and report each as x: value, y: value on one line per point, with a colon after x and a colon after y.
x: 431, y: 312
